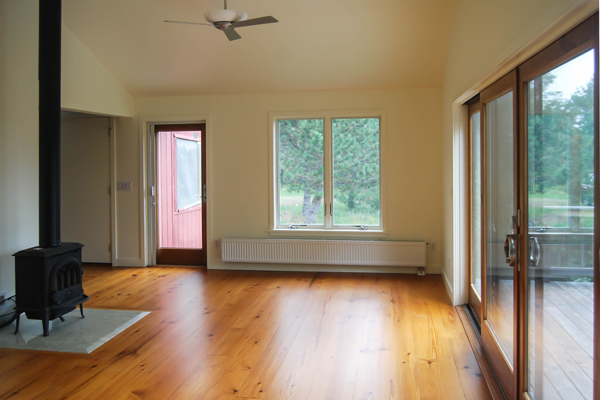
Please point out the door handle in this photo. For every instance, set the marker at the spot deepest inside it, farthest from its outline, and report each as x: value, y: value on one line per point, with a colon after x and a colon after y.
x: 510, y: 249
x: 204, y: 193
x: 535, y: 251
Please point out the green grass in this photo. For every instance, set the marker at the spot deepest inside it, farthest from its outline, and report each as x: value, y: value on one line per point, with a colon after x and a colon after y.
x: 544, y: 217
x: 290, y: 208
x: 557, y: 192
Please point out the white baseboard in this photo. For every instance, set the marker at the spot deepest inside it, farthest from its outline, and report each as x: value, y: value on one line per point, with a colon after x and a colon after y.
x: 128, y: 262
x: 449, y: 289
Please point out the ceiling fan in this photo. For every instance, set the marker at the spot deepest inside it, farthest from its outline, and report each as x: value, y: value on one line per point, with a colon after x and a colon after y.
x: 226, y: 20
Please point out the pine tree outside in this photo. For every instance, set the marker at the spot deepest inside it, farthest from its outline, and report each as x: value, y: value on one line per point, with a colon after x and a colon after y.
x: 354, y: 184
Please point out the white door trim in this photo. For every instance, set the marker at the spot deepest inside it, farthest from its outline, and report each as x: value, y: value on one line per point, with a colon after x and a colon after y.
x: 147, y: 208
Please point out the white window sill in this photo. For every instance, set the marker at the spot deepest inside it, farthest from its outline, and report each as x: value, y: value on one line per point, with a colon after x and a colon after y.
x: 329, y: 233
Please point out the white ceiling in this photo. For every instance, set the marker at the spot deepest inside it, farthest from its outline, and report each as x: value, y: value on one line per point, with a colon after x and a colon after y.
x: 317, y: 44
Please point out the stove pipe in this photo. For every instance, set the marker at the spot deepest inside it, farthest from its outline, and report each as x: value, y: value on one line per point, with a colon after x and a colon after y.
x: 50, y: 25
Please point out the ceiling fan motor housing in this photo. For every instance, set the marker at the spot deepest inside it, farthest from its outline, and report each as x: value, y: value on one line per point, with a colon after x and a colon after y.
x: 215, y: 16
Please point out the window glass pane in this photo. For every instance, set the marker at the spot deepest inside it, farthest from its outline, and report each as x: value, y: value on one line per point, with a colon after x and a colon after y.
x: 560, y: 150
x: 476, y: 202
x: 301, y: 171
x: 188, y: 174
x: 561, y: 138
x: 356, y: 194
x: 499, y: 165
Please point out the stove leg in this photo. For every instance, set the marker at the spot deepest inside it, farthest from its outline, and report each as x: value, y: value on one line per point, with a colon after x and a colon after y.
x: 81, y: 309
x: 18, y: 320
x: 46, y: 324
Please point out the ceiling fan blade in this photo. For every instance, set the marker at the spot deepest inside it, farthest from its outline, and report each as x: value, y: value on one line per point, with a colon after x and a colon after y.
x: 232, y: 34
x: 190, y: 23
x: 255, y: 21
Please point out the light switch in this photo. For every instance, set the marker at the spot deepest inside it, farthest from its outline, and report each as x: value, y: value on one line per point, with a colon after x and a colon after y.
x: 124, y: 186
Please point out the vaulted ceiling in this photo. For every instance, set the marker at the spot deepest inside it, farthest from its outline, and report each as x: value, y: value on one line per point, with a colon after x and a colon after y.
x: 317, y: 44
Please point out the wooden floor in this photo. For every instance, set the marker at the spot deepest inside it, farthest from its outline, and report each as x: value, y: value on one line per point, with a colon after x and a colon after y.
x: 260, y: 335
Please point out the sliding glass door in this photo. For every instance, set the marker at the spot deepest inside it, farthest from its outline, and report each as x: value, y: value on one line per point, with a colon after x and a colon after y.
x: 534, y: 250
x: 500, y: 232
x: 475, y: 143
x: 558, y: 118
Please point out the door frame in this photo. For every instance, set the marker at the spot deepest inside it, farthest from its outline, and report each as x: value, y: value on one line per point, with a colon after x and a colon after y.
x: 572, y: 44
x: 180, y: 256
x: 474, y: 298
x: 456, y: 252
x: 461, y: 155
x: 505, y: 374
x: 147, y: 153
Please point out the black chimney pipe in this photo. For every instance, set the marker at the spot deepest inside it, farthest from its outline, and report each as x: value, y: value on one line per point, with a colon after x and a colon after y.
x: 50, y: 26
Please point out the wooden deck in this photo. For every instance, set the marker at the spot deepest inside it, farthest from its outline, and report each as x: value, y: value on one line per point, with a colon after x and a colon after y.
x: 261, y: 335
x: 560, y: 338
x: 567, y: 337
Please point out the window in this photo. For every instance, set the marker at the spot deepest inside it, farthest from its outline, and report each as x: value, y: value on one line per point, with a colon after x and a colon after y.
x: 189, y: 173
x: 560, y: 126
x: 327, y: 172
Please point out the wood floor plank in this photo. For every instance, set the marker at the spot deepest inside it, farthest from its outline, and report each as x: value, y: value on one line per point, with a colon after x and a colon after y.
x: 469, y: 372
x: 193, y: 340
x: 373, y: 376
x: 337, y: 371
x: 266, y: 368
x: 260, y: 335
x: 267, y: 345
x: 296, y: 375
x: 490, y: 381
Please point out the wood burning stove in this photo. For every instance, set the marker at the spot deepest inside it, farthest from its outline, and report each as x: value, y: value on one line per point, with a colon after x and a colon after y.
x: 49, y: 282
x: 48, y: 277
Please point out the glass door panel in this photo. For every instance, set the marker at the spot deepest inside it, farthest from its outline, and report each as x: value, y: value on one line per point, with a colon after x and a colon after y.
x: 189, y: 174
x: 560, y: 177
x: 499, y: 223
x: 476, y: 208
x: 180, y: 194
x: 500, y: 230
x: 476, y: 203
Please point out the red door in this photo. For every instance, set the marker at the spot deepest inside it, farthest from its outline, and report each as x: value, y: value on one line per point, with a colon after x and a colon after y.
x: 181, y: 194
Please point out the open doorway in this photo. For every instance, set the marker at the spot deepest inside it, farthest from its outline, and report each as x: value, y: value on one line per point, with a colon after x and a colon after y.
x: 86, y: 184
x: 180, y: 184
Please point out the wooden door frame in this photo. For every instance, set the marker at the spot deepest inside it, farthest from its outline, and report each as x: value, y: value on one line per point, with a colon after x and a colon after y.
x: 460, y: 220
x: 506, y: 84
x: 596, y: 374
x: 578, y: 40
x: 182, y: 256
x: 474, y: 107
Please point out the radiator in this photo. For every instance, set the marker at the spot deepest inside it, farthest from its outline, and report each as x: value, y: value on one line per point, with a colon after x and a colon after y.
x: 327, y: 252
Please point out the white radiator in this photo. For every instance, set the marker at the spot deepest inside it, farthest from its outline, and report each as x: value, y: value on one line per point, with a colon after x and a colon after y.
x: 327, y: 252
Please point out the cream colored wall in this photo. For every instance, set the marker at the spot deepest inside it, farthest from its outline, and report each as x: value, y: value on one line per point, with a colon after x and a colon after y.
x: 18, y: 133
x: 85, y: 184
x: 238, y: 156
x: 128, y: 246
x: 87, y: 86
x: 486, y: 37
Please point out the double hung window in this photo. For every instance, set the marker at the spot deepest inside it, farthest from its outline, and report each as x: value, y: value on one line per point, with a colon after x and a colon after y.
x: 327, y: 172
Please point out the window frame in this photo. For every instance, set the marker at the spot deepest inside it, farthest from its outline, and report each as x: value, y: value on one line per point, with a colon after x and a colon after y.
x: 327, y: 229
x: 199, y: 202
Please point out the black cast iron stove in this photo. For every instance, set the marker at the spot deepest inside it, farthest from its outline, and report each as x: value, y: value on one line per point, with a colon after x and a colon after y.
x: 48, y: 277
x: 49, y: 282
